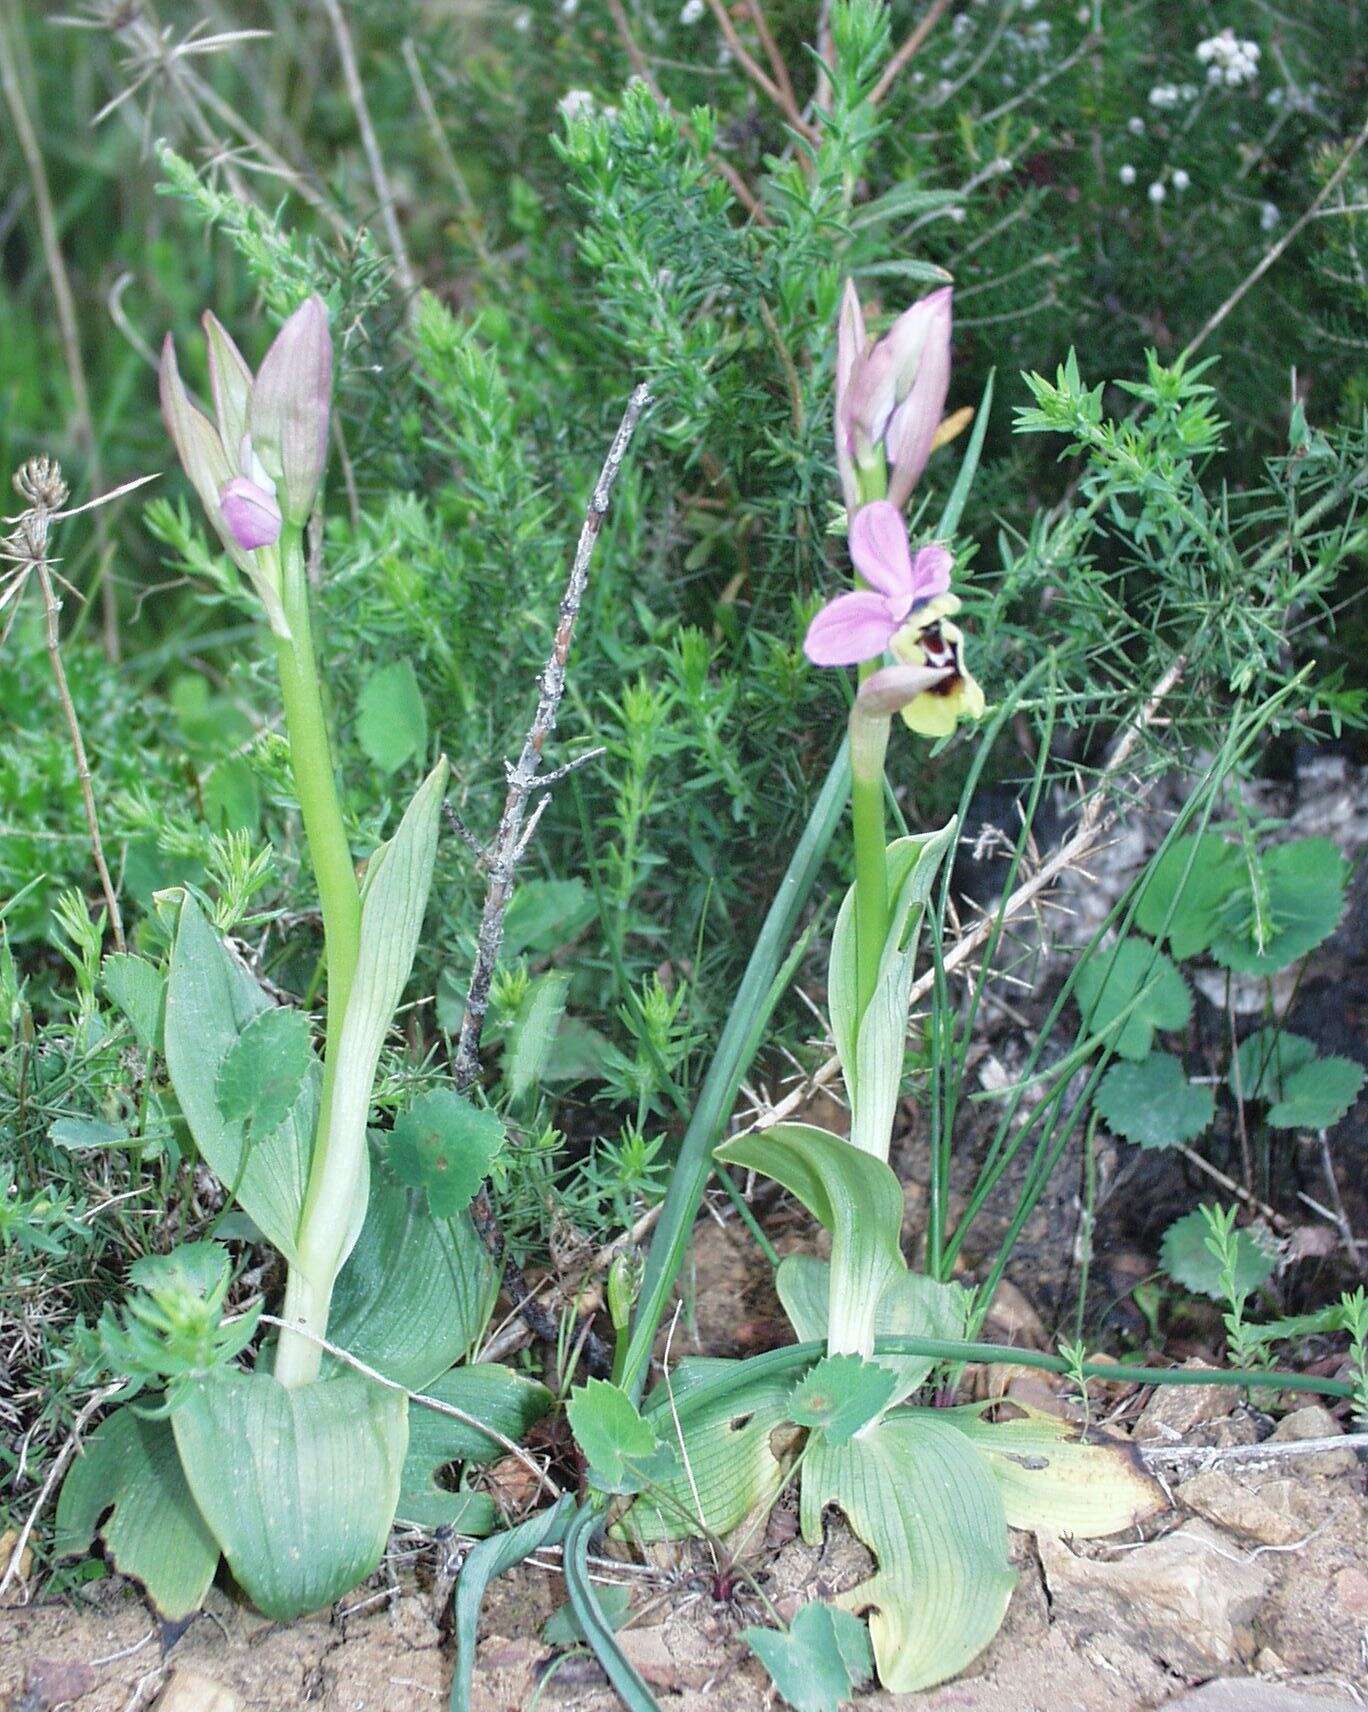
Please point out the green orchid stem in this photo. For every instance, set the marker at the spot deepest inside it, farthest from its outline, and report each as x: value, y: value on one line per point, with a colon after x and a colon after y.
x: 308, y: 1297
x: 868, y: 743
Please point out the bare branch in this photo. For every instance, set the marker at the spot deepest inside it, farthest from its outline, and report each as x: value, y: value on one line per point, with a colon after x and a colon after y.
x: 510, y: 841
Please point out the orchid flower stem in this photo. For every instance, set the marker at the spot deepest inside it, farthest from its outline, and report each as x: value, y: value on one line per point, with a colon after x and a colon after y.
x: 871, y: 873
x: 307, y: 1299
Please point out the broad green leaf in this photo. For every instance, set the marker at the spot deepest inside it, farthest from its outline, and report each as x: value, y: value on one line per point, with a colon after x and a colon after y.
x: 1318, y: 1094
x: 820, y: 1661
x: 732, y: 1447
x: 544, y: 915
x: 210, y: 1000
x: 926, y: 1504
x: 485, y: 1562
x: 1115, y: 975
x: 138, y: 988
x: 444, y: 1144
x: 505, y: 1400
x: 1301, y: 1089
x: 1184, y: 1255
x: 299, y: 1486
x: 1153, y: 1103
x: 416, y: 1292
x: 232, y: 796
x: 912, y: 1305
x: 263, y: 1071
x: 1297, y: 905
x: 1265, y: 1061
x: 841, y: 1394
x: 129, y: 1467
x: 617, y: 1443
x: 872, y: 1048
x: 1200, y: 873
x: 563, y: 1629
x: 391, y: 720
x: 1052, y: 1480
x: 853, y: 1195
x: 533, y: 1034
x: 193, y: 1268
x: 77, y: 1134
x: 394, y: 898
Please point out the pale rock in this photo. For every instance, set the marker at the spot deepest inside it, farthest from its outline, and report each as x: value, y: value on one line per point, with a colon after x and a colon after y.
x: 1174, y: 1411
x: 1184, y: 1599
x: 1242, y: 1695
x: 1315, y: 1422
x: 188, y: 1691
x: 1351, y: 1589
x: 1222, y: 1499
x: 671, y: 1656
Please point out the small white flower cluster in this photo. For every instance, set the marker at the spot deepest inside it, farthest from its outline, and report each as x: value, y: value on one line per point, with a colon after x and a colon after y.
x: 575, y: 104
x: 1167, y: 95
x: 691, y: 12
x: 1269, y: 216
x: 1229, y: 60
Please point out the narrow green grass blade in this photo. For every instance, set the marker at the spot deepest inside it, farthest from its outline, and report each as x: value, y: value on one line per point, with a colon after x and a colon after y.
x: 598, y: 1631
x: 486, y: 1562
x: 738, y: 1045
x: 959, y: 494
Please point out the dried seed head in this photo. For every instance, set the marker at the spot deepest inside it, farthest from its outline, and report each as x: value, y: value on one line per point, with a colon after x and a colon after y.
x: 39, y: 482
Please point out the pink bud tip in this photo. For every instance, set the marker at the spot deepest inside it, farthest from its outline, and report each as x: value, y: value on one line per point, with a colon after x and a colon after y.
x: 251, y: 513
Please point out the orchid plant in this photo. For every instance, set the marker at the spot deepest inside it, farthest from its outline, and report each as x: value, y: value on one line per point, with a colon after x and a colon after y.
x: 295, y: 1470
x: 930, y: 1491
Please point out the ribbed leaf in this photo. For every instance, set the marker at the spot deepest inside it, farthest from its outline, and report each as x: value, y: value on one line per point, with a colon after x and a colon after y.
x: 504, y: 1400
x: 726, y: 1447
x: 872, y: 1047
x: 393, y: 902
x: 912, y: 1305
x: 153, y: 1531
x: 853, y: 1195
x: 211, y: 999
x: 298, y: 1487
x: 1051, y: 1479
x: 416, y: 1292
x: 923, y: 1500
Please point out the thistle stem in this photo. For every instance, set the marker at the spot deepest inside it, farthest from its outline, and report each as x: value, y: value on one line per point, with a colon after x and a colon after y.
x: 307, y: 1298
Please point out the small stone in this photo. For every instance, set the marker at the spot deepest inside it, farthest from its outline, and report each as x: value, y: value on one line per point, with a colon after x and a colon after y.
x: 1185, y: 1599
x: 1351, y: 1589
x: 8, y: 1541
x: 1174, y: 1411
x: 54, y: 1682
x: 1315, y: 1422
x: 1269, y: 1663
x: 188, y: 1691
x: 1241, y: 1695
x: 676, y: 1660
x: 1221, y: 1499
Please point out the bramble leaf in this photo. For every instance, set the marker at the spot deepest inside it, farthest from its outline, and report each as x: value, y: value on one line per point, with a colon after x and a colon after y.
x: 444, y: 1145
x: 1113, y: 976
x: 1194, y: 877
x: 1185, y: 1255
x: 262, y: 1072
x: 820, y: 1661
x: 841, y: 1394
x: 617, y: 1443
x: 1289, y: 906
x: 1152, y: 1103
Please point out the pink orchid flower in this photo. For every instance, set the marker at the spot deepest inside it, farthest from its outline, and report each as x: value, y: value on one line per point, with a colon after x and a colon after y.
x: 860, y: 626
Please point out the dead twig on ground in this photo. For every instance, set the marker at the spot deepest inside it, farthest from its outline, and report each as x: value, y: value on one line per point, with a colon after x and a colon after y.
x: 1268, y: 1451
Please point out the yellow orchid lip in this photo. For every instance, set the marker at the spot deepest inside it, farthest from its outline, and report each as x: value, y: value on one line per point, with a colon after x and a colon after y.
x: 929, y: 639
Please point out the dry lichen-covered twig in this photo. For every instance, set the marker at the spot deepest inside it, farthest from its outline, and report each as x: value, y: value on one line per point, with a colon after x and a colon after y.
x: 525, y: 778
x: 39, y: 483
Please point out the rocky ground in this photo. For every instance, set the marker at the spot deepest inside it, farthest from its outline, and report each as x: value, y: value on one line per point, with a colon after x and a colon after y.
x: 1256, y: 1578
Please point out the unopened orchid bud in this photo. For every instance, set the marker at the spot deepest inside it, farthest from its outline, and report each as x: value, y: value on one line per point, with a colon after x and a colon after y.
x: 287, y: 415
x: 196, y: 439
x: 889, y: 396
x: 251, y: 513
x: 230, y: 381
